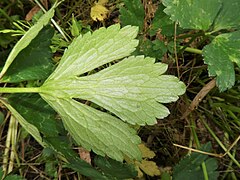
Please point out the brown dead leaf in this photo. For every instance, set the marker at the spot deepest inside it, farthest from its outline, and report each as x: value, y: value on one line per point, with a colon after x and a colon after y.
x: 84, y: 155
x: 35, y: 10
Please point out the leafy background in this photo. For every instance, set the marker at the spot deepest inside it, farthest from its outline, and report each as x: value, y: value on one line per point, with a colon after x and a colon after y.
x: 216, y: 35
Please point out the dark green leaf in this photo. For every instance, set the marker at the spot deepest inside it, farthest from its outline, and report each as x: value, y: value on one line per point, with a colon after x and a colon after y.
x: 37, y: 112
x: 150, y: 48
x: 115, y: 169
x: 133, y: 13
x: 61, y: 145
x: 190, y: 166
x: 162, y: 23
x: 34, y: 62
x: 228, y: 16
x: 10, y: 177
x: 193, y: 14
x: 220, y: 55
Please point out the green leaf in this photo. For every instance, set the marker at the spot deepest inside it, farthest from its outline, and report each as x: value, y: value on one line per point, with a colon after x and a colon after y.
x: 131, y: 89
x: 93, y: 50
x: 37, y: 112
x: 132, y: 14
x: 161, y: 22
x: 31, y: 129
x: 114, y: 169
x: 27, y: 38
x: 220, y: 55
x: 228, y: 16
x: 34, y: 62
x: 190, y: 166
x: 61, y: 145
x: 193, y: 14
x: 95, y: 130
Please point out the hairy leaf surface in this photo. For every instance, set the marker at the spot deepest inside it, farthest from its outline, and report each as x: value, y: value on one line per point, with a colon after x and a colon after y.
x: 220, y: 55
x: 95, y: 130
x: 193, y: 14
x: 132, y: 89
x: 90, y: 51
x: 34, y: 62
x: 27, y: 38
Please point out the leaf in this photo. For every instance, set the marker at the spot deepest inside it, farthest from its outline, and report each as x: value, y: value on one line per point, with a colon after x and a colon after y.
x: 34, y: 62
x: 132, y: 14
x: 99, y: 131
x: 61, y: 145
x: 27, y: 38
x: 220, y: 55
x: 99, y: 11
x: 131, y: 89
x: 146, y: 152
x: 115, y: 169
x: 90, y: 51
x: 228, y: 16
x: 149, y: 167
x: 193, y: 14
x: 37, y: 112
x: 190, y: 166
x: 31, y: 129
x: 161, y: 22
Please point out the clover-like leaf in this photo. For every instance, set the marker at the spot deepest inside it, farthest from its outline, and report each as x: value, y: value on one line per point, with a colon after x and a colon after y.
x: 193, y: 14
x: 132, y: 89
x: 220, y: 56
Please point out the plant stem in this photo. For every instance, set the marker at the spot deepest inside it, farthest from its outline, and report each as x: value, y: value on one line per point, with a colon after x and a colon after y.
x: 192, y: 50
x: 204, y: 167
x: 219, y: 142
x: 20, y: 90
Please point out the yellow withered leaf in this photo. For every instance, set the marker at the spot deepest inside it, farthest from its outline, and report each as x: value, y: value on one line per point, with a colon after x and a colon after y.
x: 148, y: 167
x: 146, y: 152
x: 99, y: 11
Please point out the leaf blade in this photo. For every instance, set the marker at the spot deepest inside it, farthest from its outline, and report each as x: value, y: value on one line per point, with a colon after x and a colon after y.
x: 131, y: 89
x: 193, y: 14
x: 101, y: 132
x: 220, y: 55
x: 96, y: 49
x: 27, y: 38
x: 33, y: 62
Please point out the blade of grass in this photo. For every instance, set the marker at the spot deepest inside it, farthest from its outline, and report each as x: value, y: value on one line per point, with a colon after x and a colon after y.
x: 219, y: 142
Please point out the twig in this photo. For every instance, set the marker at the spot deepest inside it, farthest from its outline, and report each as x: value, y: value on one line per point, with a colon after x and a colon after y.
x: 199, y: 97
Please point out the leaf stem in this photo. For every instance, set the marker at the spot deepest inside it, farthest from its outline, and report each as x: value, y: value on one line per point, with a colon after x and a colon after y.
x: 192, y: 50
x: 20, y: 90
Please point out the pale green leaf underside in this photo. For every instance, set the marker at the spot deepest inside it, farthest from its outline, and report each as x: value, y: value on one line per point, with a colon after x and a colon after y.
x: 131, y: 89
x: 90, y: 51
x: 27, y: 38
x: 95, y: 130
x: 31, y: 129
x: 193, y: 14
x: 220, y: 55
